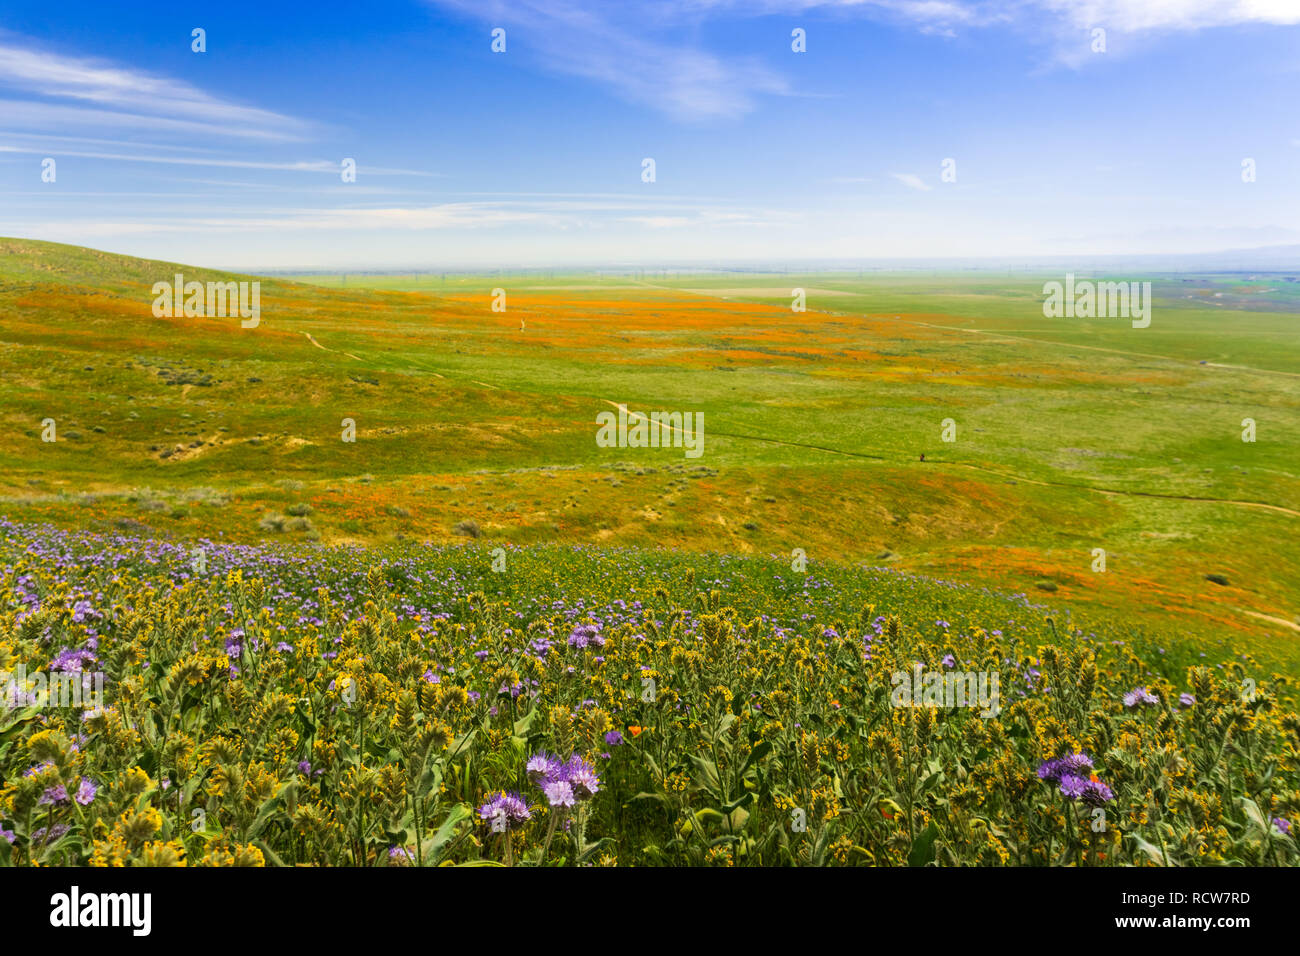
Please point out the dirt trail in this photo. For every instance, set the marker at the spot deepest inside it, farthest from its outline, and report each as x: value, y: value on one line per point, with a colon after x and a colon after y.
x: 1275, y: 620
x: 313, y: 341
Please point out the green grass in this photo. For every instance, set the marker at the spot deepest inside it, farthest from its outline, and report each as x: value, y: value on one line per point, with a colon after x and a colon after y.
x: 814, y: 422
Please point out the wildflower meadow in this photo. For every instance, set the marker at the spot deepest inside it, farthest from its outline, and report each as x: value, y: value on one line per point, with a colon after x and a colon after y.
x: 287, y: 705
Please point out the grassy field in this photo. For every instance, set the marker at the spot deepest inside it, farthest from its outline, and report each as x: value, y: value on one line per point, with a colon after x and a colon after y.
x: 475, y: 636
x: 291, y: 705
x: 1071, y: 435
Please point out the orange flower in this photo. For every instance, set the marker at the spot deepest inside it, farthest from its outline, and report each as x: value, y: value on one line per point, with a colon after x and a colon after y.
x: 634, y: 731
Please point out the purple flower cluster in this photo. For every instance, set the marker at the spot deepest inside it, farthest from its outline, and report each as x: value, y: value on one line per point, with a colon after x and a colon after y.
x: 71, y: 661
x: 1140, y: 697
x: 58, y: 794
x: 1072, y: 774
x: 563, y: 782
x: 83, y: 611
x: 505, y: 810
x: 52, y: 835
x: 586, y: 635
x: 1092, y: 792
x: 1070, y: 765
x: 400, y: 856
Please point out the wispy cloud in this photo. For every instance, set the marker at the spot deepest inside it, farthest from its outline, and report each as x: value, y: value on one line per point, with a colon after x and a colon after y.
x: 299, y: 166
x: 912, y: 181
x: 611, y: 46
x: 577, y: 213
x: 638, y: 51
x: 1131, y: 17
x: 62, y: 92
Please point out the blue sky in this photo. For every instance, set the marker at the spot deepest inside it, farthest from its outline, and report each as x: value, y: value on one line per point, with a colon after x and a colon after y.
x: 466, y: 157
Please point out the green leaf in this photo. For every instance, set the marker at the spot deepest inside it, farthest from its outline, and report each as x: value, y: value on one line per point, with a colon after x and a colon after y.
x: 745, y: 799
x: 271, y: 856
x: 1152, y: 852
x: 1257, y: 824
x: 525, y: 723
x: 19, y: 717
x: 755, y: 755
x: 708, y: 815
x: 661, y: 798
x: 432, y: 848
x: 923, y: 847
x: 706, y: 773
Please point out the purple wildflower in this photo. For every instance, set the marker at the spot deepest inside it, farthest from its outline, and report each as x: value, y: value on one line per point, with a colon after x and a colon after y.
x: 504, y: 810
x: 55, y: 833
x: 559, y: 793
x: 1140, y: 697
x: 1095, y: 793
x: 1075, y: 765
x: 541, y: 767
x: 586, y: 635
x: 1073, y: 787
x: 582, y: 777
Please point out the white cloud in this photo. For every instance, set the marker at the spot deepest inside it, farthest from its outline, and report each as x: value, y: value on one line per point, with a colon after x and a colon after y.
x: 637, y: 50
x: 912, y: 181
x: 577, y: 212
x: 106, y: 95
x: 1130, y: 17
x: 298, y: 166
x: 588, y: 40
